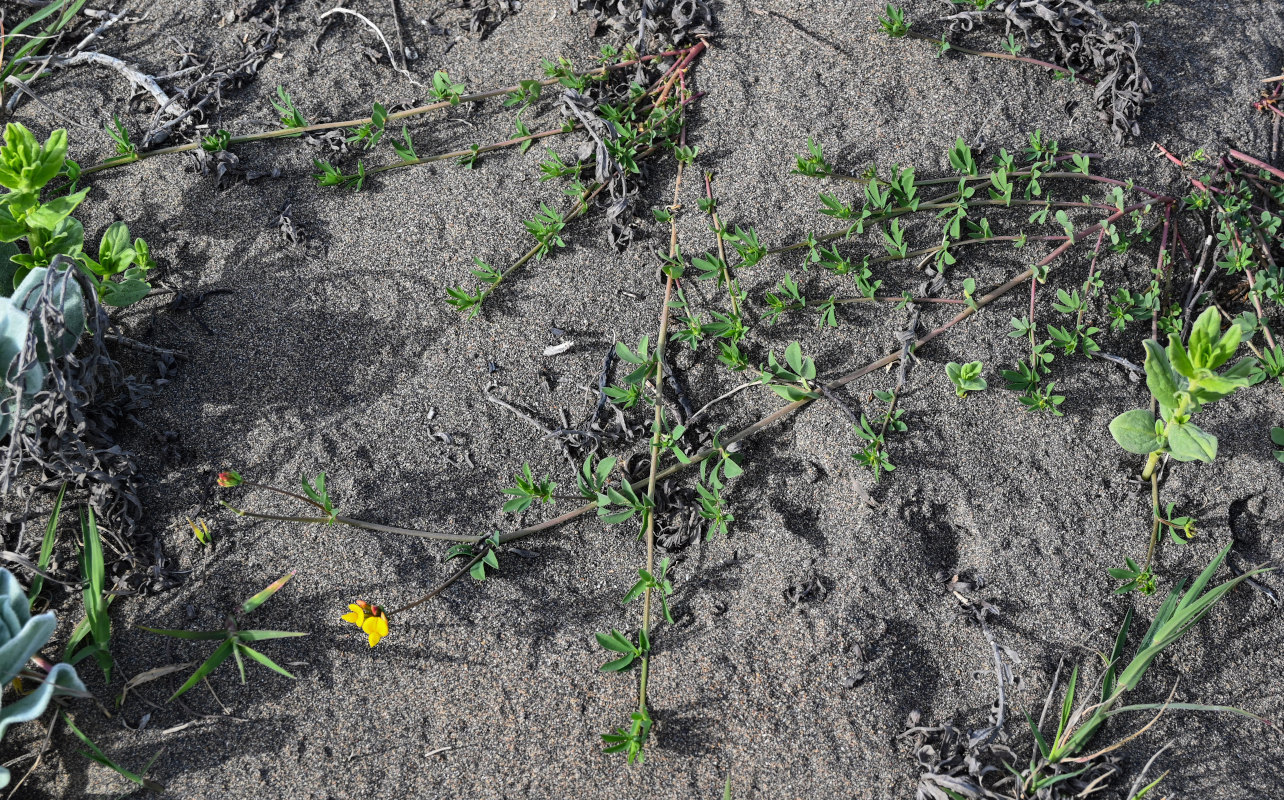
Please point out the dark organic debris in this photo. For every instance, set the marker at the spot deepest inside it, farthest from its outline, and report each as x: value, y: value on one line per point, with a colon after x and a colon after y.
x: 1087, y: 44
x: 225, y: 167
x: 67, y: 434
x: 981, y: 765
x: 812, y: 589
x: 648, y: 24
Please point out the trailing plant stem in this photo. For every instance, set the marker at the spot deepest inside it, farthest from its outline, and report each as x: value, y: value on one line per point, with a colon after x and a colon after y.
x: 656, y: 433
x: 353, y: 123
x: 1154, y: 511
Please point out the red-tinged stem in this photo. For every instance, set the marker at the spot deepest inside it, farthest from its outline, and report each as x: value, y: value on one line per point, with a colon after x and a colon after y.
x: 1247, y: 159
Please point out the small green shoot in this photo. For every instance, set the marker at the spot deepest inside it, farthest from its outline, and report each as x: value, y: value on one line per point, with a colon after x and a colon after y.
x: 93, y: 572
x: 444, y: 90
x: 527, y: 491
x: 290, y: 116
x: 235, y: 642
x: 120, y: 137
x: 893, y: 23
x: 46, y: 548
x: 965, y: 377
x: 96, y: 754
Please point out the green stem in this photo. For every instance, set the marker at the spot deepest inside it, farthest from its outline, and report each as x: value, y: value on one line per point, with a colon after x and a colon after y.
x: 1152, y: 461
x: 1154, y: 510
x: 655, y: 442
x: 732, y: 287
x: 446, y: 584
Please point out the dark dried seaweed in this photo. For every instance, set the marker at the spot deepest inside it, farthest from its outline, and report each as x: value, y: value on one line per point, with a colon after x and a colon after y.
x: 1086, y: 44
x: 648, y: 24
x: 66, y: 432
x: 980, y: 765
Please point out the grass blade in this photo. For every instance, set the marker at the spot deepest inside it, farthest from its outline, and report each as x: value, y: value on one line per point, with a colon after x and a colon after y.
x: 196, y: 635
x: 93, y: 572
x: 258, y: 599
x: 262, y: 636
x: 46, y: 546
x: 264, y: 660
x: 97, y: 754
x: 217, y: 657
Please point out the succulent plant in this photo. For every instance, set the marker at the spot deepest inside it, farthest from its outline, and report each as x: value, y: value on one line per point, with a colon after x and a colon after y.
x: 21, y: 637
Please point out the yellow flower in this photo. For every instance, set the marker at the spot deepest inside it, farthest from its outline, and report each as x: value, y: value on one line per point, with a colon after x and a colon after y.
x: 369, y: 618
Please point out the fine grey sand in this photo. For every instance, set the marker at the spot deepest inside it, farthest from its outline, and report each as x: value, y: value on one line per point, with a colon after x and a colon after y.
x: 330, y: 355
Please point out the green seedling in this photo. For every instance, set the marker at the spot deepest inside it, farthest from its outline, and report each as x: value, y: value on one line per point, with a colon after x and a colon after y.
x: 1277, y: 436
x: 405, y: 149
x: 813, y: 165
x: 96, y: 754
x: 46, y: 549
x: 965, y: 377
x: 657, y: 581
x: 320, y: 497
x: 488, y: 561
x: 217, y: 141
x: 527, y: 491
x: 893, y: 22
x: 1270, y: 365
x: 369, y: 133
x: 445, y: 90
x: 593, y: 478
x: 617, y: 642
x: 1181, y: 529
x: 1134, y: 577
x: 201, y: 530
x: 235, y: 641
x: 874, y: 455
x: 1182, y: 381
x: 120, y: 137
x: 1178, y: 614
x: 331, y: 175
x: 290, y: 116
x: 630, y: 742
x: 793, y: 380
x: 615, y: 505
x: 93, y: 573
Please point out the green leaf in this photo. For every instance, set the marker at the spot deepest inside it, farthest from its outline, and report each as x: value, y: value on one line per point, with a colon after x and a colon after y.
x: 618, y: 664
x: 115, y: 251
x: 216, y: 658
x: 93, y: 572
x: 46, y: 548
x: 47, y: 216
x: 263, y: 636
x: 123, y: 293
x: 178, y: 634
x: 793, y: 357
x: 1135, y: 432
x: 1160, y: 378
x: 615, y: 641
x: 258, y: 599
x: 1189, y: 442
x: 264, y: 660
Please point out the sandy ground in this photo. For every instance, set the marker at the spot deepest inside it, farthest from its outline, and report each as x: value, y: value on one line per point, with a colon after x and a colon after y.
x: 331, y: 355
